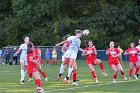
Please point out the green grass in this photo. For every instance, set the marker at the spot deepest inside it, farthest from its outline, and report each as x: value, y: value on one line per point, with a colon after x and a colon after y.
x: 10, y: 75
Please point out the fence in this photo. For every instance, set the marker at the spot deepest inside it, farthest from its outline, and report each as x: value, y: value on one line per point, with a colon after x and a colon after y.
x: 101, y: 53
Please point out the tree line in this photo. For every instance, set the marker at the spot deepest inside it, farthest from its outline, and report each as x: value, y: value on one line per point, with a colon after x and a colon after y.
x: 47, y: 21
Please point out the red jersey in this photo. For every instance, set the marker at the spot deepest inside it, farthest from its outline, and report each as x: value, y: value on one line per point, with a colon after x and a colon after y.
x: 112, y: 56
x: 91, y: 57
x: 29, y: 56
x: 133, y: 54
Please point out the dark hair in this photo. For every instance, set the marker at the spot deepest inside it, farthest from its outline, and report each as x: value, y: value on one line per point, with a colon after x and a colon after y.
x: 78, y: 32
x: 88, y: 42
x: 65, y: 37
x: 133, y: 43
x: 29, y: 47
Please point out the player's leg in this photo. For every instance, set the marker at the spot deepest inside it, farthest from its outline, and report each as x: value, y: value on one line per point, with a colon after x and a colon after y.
x: 22, y: 72
x: 119, y: 67
x: 53, y: 61
x: 74, y: 74
x: 70, y: 69
x: 137, y: 70
x: 42, y: 72
x: 91, y: 68
x: 99, y: 62
x: 114, y: 68
x: 131, y: 69
x: 30, y: 76
x: 38, y: 81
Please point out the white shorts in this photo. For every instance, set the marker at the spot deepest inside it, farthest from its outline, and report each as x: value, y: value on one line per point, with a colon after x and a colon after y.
x: 71, y: 54
x: 62, y: 58
x: 24, y: 60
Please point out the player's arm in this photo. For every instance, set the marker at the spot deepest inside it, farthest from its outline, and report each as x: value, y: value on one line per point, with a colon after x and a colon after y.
x: 95, y: 52
x: 84, y: 53
x: 17, y: 52
x: 108, y: 52
x: 60, y: 43
x: 64, y: 47
x: 33, y: 61
x: 126, y: 52
x: 82, y: 50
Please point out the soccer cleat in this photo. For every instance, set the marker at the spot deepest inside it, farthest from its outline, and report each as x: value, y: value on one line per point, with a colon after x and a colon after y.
x: 67, y: 81
x: 40, y: 90
x: 125, y: 78
x: 136, y: 77
x: 105, y: 74
x: 74, y: 84
x: 46, y: 79
x: 30, y: 79
x: 129, y: 78
x: 58, y: 79
x: 114, y: 81
x: 96, y: 80
x: 22, y: 81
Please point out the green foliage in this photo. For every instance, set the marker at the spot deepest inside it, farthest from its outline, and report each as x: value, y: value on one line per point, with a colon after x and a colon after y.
x: 47, y: 21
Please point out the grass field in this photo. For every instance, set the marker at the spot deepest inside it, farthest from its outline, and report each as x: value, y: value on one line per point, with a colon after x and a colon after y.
x: 9, y: 81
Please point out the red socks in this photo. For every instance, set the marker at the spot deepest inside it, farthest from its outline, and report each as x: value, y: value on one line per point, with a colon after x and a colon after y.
x: 93, y: 74
x: 130, y: 72
x: 137, y: 70
x: 74, y: 76
x: 56, y: 62
x: 101, y: 67
x: 43, y: 74
x: 115, y: 75
x: 30, y: 75
x: 47, y: 62
x: 38, y: 82
x: 122, y: 72
x: 53, y: 63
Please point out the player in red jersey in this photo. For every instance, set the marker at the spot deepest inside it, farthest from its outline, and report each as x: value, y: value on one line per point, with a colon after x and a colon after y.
x: 38, y: 67
x: 92, y: 60
x: 113, y: 61
x: 133, y: 59
x: 32, y: 64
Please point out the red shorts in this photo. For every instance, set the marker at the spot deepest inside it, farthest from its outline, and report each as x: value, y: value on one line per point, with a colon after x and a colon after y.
x: 32, y: 69
x: 113, y: 62
x: 134, y: 61
x: 91, y: 61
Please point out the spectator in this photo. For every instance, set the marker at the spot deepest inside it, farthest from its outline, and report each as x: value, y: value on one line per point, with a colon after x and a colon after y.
x: 47, y: 56
x: 0, y: 57
x: 7, y: 56
x: 15, y: 57
x: 54, y: 56
x: 120, y: 57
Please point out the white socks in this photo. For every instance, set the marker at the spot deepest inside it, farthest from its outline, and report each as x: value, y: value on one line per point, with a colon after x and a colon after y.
x: 22, y: 74
x: 69, y: 71
x: 61, y: 69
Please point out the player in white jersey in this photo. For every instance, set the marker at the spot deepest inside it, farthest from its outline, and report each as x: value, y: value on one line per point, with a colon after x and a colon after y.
x: 71, y: 52
x: 138, y: 47
x: 23, y: 58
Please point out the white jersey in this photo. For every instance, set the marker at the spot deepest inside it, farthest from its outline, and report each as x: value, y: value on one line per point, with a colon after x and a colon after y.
x: 23, y: 49
x: 138, y: 47
x: 74, y: 43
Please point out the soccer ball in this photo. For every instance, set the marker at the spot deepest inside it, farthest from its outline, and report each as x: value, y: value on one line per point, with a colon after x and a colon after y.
x: 85, y: 32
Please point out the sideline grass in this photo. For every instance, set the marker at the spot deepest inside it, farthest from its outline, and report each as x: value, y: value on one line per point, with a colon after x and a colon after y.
x: 9, y: 81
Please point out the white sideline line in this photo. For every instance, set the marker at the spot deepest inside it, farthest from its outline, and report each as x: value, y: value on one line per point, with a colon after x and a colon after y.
x: 88, y: 86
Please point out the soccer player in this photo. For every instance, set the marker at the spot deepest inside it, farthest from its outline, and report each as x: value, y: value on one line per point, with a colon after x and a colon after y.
x: 38, y: 67
x: 47, y: 56
x: 113, y: 61
x: 92, y: 60
x: 23, y: 58
x: 32, y: 64
x: 71, y: 52
x: 133, y: 59
x: 54, y: 56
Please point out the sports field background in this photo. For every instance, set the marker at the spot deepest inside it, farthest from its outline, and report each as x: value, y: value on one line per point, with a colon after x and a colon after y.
x: 10, y: 75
